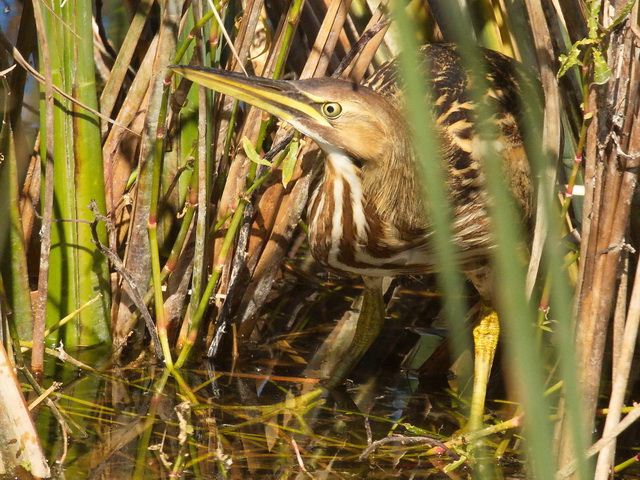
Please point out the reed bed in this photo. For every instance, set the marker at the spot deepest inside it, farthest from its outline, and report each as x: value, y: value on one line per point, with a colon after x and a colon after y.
x: 149, y: 224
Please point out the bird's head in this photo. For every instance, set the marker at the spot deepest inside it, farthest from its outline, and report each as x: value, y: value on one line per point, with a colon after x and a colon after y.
x: 340, y: 116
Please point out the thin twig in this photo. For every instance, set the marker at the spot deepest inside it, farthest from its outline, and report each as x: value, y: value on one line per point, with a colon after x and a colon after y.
x: 625, y: 423
x: 129, y: 283
x: 44, y: 395
x: 403, y: 439
x: 359, y: 46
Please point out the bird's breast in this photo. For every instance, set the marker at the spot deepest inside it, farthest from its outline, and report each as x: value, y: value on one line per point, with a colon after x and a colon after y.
x: 347, y: 235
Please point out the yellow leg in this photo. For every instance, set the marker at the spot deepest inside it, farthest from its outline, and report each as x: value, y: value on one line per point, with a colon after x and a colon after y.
x: 485, y: 340
x: 369, y: 325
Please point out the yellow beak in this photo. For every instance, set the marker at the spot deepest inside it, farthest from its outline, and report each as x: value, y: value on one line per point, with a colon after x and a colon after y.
x: 277, y: 97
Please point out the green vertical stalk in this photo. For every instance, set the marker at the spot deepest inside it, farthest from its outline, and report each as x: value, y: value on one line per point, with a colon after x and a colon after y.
x: 293, y: 16
x: 432, y: 174
x: 62, y: 287
x: 92, y: 269
x: 77, y: 270
x: 517, y: 313
x: 13, y: 261
x: 203, y: 169
x: 161, y: 321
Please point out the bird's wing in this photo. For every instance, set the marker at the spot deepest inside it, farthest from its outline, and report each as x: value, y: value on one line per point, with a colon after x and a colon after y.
x: 455, y: 116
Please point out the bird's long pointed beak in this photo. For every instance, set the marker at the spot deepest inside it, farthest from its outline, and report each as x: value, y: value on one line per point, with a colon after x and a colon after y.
x: 277, y: 97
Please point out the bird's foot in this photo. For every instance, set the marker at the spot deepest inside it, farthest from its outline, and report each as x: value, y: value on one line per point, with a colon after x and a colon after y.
x: 485, y: 339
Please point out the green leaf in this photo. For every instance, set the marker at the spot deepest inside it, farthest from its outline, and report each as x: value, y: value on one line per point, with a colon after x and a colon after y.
x: 132, y: 179
x: 601, y: 70
x: 412, y: 429
x: 622, y: 16
x: 572, y: 58
x: 289, y: 162
x: 251, y: 153
x: 592, y: 22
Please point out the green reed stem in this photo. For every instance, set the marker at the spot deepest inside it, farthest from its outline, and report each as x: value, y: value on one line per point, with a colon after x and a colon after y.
x: 236, y: 219
x: 140, y: 470
x: 432, y: 174
x: 189, y: 211
x: 212, y: 283
x: 161, y: 322
x: 577, y: 162
x: 516, y: 312
x: 293, y: 16
x: 13, y: 259
x: 62, y: 287
x: 626, y: 464
x: 192, y: 35
x: 93, y: 272
x: 203, y: 172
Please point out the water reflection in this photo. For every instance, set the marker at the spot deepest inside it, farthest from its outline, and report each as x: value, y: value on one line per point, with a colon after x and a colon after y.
x: 263, y: 413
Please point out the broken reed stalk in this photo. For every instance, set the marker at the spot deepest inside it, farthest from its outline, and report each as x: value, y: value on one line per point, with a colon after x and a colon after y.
x: 40, y: 304
x: 253, y: 181
x: 21, y: 445
x: 610, y: 180
x: 286, y: 206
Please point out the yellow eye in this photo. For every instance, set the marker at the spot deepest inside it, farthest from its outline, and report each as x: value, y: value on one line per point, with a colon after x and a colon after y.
x: 331, y: 110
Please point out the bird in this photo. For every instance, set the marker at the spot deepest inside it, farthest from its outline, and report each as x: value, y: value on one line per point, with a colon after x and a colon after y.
x: 367, y: 215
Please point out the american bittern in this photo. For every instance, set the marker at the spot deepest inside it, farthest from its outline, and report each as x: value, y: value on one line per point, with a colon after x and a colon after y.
x: 367, y: 215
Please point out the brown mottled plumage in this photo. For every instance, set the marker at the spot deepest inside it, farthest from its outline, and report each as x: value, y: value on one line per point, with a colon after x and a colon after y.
x: 367, y: 215
x: 395, y: 236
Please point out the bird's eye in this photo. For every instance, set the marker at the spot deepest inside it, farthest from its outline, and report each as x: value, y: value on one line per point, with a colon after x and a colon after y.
x: 331, y: 110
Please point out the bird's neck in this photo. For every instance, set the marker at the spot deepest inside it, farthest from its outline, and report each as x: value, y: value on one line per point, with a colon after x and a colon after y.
x: 360, y: 218
x: 336, y: 212
x: 392, y: 188
x: 341, y: 191
x: 352, y: 201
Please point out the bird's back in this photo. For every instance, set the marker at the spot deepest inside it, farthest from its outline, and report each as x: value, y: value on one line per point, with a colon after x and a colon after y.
x: 455, y: 114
